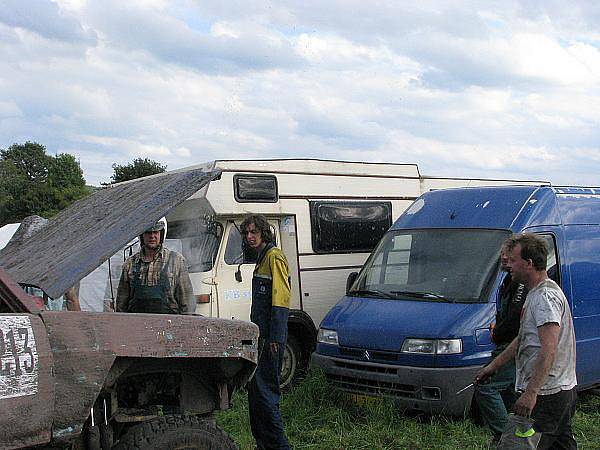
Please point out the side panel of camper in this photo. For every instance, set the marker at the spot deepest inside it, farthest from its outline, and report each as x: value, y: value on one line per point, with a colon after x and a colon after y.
x: 323, y: 219
x: 327, y: 217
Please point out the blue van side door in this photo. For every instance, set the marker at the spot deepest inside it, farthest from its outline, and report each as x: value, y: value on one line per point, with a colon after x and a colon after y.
x: 583, y: 260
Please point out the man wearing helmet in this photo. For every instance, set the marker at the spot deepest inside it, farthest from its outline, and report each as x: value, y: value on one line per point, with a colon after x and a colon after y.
x: 155, y: 279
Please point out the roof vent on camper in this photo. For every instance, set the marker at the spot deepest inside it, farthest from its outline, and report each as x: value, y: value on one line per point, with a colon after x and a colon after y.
x: 255, y: 188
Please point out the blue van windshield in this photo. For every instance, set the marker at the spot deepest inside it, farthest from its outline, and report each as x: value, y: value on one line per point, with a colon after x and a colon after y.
x: 454, y: 265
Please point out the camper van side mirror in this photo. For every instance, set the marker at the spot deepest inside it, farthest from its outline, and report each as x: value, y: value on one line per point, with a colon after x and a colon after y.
x: 350, y: 281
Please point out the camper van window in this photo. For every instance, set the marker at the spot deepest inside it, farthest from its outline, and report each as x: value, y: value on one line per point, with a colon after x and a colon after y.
x: 255, y: 188
x: 200, y: 241
x: 345, y: 227
x: 432, y: 265
x: 236, y: 253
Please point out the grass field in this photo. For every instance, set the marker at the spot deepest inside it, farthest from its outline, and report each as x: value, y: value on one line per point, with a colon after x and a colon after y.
x: 319, y: 417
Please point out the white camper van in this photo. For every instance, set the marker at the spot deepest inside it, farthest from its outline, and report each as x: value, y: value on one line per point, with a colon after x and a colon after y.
x: 327, y: 217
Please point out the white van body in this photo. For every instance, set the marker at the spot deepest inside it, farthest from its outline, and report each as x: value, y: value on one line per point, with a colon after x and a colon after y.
x: 207, y: 222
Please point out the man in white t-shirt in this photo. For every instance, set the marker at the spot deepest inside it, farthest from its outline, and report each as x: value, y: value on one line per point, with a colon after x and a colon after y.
x: 544, y: 350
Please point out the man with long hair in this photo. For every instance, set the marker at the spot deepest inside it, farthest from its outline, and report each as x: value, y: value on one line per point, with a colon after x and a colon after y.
x: 270, y: 308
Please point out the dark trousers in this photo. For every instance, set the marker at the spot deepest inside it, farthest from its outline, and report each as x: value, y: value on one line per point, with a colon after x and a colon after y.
x: 491, y: 397
x: 263, y: 402
x: 552, y: 417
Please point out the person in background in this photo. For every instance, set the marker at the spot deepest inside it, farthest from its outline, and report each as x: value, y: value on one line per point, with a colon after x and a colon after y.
x: 491, y: 397
x: 155, y: 279
x: 72, y: 299
x: 544, y: 350
x: 270, y: 308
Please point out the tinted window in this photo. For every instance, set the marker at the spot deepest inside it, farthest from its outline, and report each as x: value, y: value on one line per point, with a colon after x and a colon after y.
x: 340, y: 227
x: 255, y: 188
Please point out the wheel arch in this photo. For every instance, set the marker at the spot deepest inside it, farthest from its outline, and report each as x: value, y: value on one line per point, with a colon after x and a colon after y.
x: 303, y: 328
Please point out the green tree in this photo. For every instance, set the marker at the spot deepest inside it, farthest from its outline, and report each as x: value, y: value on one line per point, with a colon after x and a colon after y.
x: 65, y: 182
x: 139, y: 167
x: 33, y: 182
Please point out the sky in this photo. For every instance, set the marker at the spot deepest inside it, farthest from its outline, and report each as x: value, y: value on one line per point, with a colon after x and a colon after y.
x: 488, y: 89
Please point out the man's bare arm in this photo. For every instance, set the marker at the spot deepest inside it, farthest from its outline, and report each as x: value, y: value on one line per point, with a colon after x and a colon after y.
x: 548, y: 334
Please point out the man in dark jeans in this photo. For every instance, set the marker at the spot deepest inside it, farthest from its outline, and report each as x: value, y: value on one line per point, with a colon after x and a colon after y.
x: 495, y: 398
x: 544, y: 350
x: 270, y: 309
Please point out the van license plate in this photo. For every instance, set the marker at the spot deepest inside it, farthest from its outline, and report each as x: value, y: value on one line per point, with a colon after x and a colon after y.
x: 362, y: 399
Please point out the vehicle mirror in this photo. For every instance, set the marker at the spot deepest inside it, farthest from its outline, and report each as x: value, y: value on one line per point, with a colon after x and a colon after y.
x: 238, y: 274
x: 350, y: 281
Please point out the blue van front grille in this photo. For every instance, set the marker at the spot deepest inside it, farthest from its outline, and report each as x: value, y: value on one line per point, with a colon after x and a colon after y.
x: 366, y: 368
x: 368, y: 355
x: 373, y: 387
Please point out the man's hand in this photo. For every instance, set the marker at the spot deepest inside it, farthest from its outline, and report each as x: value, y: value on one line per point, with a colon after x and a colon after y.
x: 525, y: 404
x: 483, y: 375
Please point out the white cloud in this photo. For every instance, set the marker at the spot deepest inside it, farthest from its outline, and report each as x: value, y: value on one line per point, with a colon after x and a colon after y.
x: 44, y: 18
x: 538, y: 56
x: 503, y: 89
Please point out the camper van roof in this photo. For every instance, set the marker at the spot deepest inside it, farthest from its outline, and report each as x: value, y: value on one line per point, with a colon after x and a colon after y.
x: 333, y: 167
x: 314, y: 166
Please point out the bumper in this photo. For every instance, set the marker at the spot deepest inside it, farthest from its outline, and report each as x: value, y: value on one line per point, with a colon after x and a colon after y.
x: 431, y: 390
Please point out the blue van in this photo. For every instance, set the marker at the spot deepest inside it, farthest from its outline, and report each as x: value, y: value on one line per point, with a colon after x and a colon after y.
x: 414, y: 324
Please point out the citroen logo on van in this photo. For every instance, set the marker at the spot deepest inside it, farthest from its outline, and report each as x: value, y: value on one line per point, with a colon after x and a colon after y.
x: 367, y: 355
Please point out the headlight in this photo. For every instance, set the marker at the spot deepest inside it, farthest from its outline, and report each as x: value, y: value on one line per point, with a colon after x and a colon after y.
x: 327, y: 336
x: 449, y: 346
x: 432, y: 346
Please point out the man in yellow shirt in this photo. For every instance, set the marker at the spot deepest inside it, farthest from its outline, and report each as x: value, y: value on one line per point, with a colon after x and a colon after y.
x: 270, y: 308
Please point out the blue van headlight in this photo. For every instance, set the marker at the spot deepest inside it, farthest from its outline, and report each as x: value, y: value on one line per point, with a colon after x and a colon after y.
x: 326, y: 336
x: 432, y: 346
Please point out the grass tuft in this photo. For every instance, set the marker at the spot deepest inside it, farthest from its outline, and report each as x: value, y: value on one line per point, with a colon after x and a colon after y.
x: 316, y: 416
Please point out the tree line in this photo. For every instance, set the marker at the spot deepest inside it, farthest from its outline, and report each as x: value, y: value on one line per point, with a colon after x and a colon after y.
x: 34, y: 182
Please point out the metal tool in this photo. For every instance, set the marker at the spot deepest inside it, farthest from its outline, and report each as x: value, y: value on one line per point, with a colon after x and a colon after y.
x: 465, y: 388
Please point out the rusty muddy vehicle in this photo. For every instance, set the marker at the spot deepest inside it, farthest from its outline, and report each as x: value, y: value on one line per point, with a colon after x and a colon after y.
x: 110, y: 380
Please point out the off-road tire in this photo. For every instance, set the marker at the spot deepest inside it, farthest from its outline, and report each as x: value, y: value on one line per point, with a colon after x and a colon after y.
x: 176, y: 432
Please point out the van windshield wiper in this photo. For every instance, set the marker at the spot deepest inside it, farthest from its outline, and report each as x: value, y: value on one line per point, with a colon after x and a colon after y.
x: 423, y: 294
x: 372, y: 293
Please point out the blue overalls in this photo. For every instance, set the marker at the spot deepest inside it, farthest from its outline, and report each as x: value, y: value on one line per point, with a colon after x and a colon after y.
x: 271, y: 318
x: 151, y: 299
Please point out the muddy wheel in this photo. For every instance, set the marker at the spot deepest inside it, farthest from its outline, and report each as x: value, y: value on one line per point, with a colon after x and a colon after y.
x: 176, y: 433
x: 293, y: 363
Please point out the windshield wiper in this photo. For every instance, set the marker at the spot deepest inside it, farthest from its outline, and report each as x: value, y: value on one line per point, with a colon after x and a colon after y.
x: 372, y: 292
x: 424, y: 294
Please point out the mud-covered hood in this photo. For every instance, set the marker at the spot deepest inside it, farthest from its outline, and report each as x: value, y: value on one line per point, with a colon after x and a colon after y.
x: 84, y: 235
